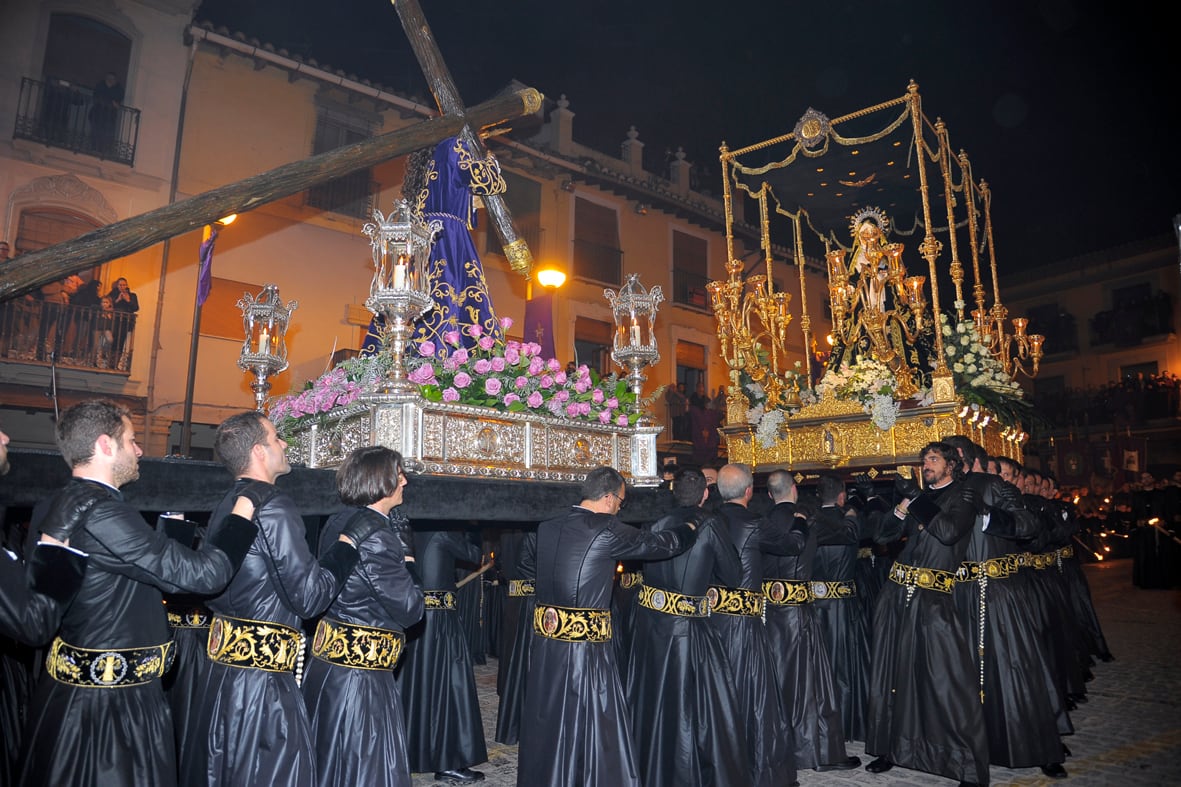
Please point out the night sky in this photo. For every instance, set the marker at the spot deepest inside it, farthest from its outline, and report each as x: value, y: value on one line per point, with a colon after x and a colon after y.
x: 1061, y: 105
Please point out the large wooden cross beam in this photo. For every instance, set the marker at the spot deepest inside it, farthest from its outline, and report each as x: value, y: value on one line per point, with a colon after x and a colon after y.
x: 29, y: 271
x: 443, y: 88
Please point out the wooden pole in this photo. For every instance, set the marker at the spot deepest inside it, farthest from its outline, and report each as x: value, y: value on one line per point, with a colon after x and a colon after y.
x: 30, y: 271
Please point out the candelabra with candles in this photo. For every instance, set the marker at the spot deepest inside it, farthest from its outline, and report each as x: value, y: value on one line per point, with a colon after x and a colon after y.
x: 634, y: 347
x: 759, y: 351
x: 875, y: 301
x: 264, y: 351
x: 1011, y: 350
x: 400, y: 292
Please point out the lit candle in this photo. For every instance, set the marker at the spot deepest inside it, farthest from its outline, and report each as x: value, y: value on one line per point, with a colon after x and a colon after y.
x: 264, y: 341
x: 635, y: 334
x: 400, y: 271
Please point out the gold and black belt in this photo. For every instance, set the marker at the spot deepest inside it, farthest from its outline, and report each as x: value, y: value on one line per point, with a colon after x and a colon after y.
x: 438, y: 599
x: 189, y: 617
x: 107, y: 667
x: 784, y: 593
x: 1066, y: 551
x: 672, y: 603
x: 572, y: 625
x: 823, y: 591
x: 994, y: 568
x: 735, y: 601
x: 520, y: 587
x: 1036, y: 560
x: 912, y: 577
x: 253, y: 644
x: 358, y: 647
x: 630, y: 579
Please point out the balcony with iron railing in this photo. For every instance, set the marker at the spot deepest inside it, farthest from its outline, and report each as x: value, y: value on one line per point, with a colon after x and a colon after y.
x: 43, y: 332
x: 597, y: 262
x: 63, y: 115
x: 689, y: 289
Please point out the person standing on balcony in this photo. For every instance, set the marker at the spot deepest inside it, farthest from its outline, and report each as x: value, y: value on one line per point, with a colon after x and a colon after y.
x: 104, y: 114
x: 126, y: 304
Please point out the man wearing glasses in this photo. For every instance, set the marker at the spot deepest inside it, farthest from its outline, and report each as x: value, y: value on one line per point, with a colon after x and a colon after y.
x: 575, y: 728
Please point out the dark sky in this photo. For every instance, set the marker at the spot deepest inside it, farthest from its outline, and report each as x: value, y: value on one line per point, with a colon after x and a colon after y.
x: 1060, y: 104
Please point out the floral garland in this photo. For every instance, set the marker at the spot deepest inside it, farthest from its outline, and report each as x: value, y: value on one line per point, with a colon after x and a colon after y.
x: 507, y: 376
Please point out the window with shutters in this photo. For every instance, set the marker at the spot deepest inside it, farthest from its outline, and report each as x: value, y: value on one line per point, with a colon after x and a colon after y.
x: 351, y: 194
x: 597, y: 255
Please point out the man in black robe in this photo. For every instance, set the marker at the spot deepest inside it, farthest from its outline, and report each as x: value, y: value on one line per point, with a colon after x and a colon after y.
x: 444, y: 732
x: 688, y: 724
x: 99, y: 715
x: 924, y: 703
x: 517, y: 557
x: 802, y: 663
x: 249, y: 721
x: 575, y: 727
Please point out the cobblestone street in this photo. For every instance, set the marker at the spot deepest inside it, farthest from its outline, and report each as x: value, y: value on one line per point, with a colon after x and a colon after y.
x: 1128, y: 734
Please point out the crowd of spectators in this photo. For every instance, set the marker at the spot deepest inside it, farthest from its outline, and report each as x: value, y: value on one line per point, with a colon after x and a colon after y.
x: 1130, y: 401
x: 1133, y: 319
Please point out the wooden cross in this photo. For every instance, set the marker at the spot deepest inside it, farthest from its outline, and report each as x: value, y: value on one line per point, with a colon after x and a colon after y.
x: 32, y: 270
x: 443, y: 88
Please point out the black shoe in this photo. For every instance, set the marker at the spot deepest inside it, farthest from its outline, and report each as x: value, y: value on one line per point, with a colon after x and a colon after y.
x: 880, y: 765
x: 1054, y: 770
x: 848, y: 764
x: 1070, y: 704
x: 459, y: 776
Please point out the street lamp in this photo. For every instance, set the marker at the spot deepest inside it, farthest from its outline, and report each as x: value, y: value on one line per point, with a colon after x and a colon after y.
x: 204, y: 284
x: 539, y: 308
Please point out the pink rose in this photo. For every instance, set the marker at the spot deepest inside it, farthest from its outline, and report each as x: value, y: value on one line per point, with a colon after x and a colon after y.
x: 482, y: 366
x: 554, y: 365
x: 611, y: 403
x: 546, y: 381
x: 474, y: 331
x: 597, y: 397
x: 498, y: 364
x: 509, y: 398
x: 487, y: 343
x: 426, y: 349
x: 460, y: 355
x: 562, y: 395
x: 582, y: 386
x: 512, y: 355
x: 604, y: 416
x: 450, y: 395
x: 535, y: 399
x: 506, y: 323
x: 584, y: 408
x: 522, y: 381
x: 560, y: 377
x: 492, y: 386
x: 452, y: 338
x: 536, y: 366
x: 621, y: 420
x: 572, y: 410
x: 462, y: 380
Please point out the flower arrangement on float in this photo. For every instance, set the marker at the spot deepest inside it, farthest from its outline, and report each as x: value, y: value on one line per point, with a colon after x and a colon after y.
x: 981, y: 382
x: 507, y: 376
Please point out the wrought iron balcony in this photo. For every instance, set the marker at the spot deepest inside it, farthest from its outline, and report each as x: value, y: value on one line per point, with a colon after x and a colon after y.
x: 63, y: 115
x: 42, y: 332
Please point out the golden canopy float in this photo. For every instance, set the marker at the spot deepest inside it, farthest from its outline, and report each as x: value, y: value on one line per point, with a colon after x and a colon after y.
x: 875, y: 205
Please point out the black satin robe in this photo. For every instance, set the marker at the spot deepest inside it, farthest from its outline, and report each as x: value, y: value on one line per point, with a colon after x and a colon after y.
x: 1021, y: 721
x: 250, y: 726
x: 116, y: 736
x: 517, y: 640
x: 687, y: 723
x: 1078, y: 592
x: 803, y: 668
x: 444, y: 730
x: 841, y: 619
x: 924, y: 699
x: 356, y: 714
x: 575, y: 726
x: 748, y: 649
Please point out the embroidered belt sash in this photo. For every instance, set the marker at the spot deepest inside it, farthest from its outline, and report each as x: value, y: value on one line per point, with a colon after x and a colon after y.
x: 823, y: 591
x: 107, y: 667
x: 180, y: 617
x: 671, y: 603
x: 865, y: 552
x: 253, y: 644
x: 1036, y: 560
x: 572, y: 625
x: 785, y: 593
x: 1066, y: 551
x: 438, y: 599
x: 735, y: 601
x: 631, y: 579
x: 520, y: 587
x: 358, y: 647
x: 994, y: 568
x: 925, y: 578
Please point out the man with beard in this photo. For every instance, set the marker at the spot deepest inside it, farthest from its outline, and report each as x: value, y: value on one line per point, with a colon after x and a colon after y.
x: 248, y: 722
x: 737, y: 613
x: 924, y: 702
x: 575, y: 730
x: 1000, y: 608
x: 114, y: 633
x: 684, y: 711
